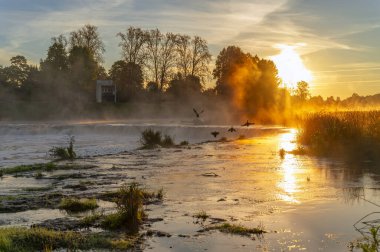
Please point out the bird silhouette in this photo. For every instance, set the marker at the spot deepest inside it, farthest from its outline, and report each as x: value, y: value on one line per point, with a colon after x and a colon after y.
x: 215, y: 133
x: 232, y: 129
x: 198, y: 114
x: 247, y: 124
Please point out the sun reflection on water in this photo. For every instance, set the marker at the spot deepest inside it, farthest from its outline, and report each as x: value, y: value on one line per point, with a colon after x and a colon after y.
x: 289, y: 167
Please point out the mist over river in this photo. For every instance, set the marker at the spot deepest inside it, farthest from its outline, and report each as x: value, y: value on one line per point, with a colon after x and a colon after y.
x: 303, y: 202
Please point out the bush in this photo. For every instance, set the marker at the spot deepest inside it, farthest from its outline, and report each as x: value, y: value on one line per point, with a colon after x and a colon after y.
x: 152, y: 139
x: 64, y: 153
x: 167, y: 141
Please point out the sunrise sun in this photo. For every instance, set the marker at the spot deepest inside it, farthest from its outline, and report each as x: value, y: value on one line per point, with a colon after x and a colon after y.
x: 290, y: 66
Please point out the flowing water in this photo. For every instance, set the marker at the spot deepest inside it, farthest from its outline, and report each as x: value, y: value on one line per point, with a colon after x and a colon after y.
x: 305, y: 203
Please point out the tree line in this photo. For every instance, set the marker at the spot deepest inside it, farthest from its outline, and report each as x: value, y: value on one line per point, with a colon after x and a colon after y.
x: 153, y: 64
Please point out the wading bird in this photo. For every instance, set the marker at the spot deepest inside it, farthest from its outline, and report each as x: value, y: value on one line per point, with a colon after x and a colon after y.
x: 232, y: 129
x: 215, y: 133
x: 198, y: 114
x: 247, y: 124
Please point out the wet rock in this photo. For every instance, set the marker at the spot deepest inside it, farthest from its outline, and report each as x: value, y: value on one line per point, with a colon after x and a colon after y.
x: 210, y: 174
x: 30, y: 202
x: 217, y: 220
x: 157, y: 233
x: 78, y: 187
x: 152, y: 220
x: 60, y: 224
x: 184, y: 236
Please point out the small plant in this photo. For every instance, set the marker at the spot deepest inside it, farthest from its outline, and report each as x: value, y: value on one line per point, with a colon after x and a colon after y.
x: 371, y: 243
x: 64, y: 153
x: 160, y: 194
x: 167, y: 141
x: 201, y: 215
x: 77, y: 205
x: 184, y: 143
x: 90, y: 220
x: 38, y: 175
x: 130, y: 212
x: 238, y: 229
x: 282, y: 153
x: 152, y: 139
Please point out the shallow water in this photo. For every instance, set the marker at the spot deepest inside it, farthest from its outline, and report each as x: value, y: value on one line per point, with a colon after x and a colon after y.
x: 305, y: 203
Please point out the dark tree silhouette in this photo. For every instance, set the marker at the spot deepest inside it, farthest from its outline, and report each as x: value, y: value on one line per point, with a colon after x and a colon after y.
x: 128, y: 78
x: 88, y: 37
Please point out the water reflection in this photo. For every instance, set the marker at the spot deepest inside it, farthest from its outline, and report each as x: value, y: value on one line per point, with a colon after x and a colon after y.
x: 289, y: 168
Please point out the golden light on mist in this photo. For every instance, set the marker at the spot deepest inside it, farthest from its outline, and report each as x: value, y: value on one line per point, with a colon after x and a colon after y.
x: 290, y: 67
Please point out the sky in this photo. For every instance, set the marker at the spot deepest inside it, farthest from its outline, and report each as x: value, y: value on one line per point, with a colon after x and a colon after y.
x: 338, y: 40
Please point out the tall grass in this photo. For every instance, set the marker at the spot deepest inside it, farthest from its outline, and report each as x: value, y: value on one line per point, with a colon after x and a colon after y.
x: 64, y: 153
x: 335, y: 132
x: 130, y: 212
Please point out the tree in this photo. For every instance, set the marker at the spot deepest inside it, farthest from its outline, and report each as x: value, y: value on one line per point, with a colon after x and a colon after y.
x: 18, y: 71
x: 302, y: 92
x: 83, y: 69
x: 183, y: 44
x: 193, y: 56
x: 161, y: 55
x: 88, y: 37
x: 128, y: 78
x: 185, y: 87
x: 200, y: 57
x: 57, y: 58
x: 132, y: 45
x: 228, y: 61
x: 248, y: 83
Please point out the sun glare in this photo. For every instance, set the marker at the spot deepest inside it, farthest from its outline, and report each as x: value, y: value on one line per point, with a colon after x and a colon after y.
x: 290, y: 67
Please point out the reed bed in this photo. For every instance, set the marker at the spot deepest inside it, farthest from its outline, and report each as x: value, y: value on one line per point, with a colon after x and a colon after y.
x: 336, y: 132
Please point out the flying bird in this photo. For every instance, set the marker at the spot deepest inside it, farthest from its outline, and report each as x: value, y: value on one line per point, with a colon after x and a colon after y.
x: 198, y: 114
x: 215, y: 133
x: 247, y: 124
x: 232, y: 129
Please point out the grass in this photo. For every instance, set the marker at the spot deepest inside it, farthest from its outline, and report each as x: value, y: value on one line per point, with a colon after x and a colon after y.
x: 201, y: 215
x: 30, y: 168
x: 46, y: 167
x: 129, y: 201
x: 64, y: 153
x: 152, y: 139
x: 90, y: 220
x: 41, y: 239
x: 371, y: 243
x: 77, y: 205
x: 237, y: 229
x: 354, y: 133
